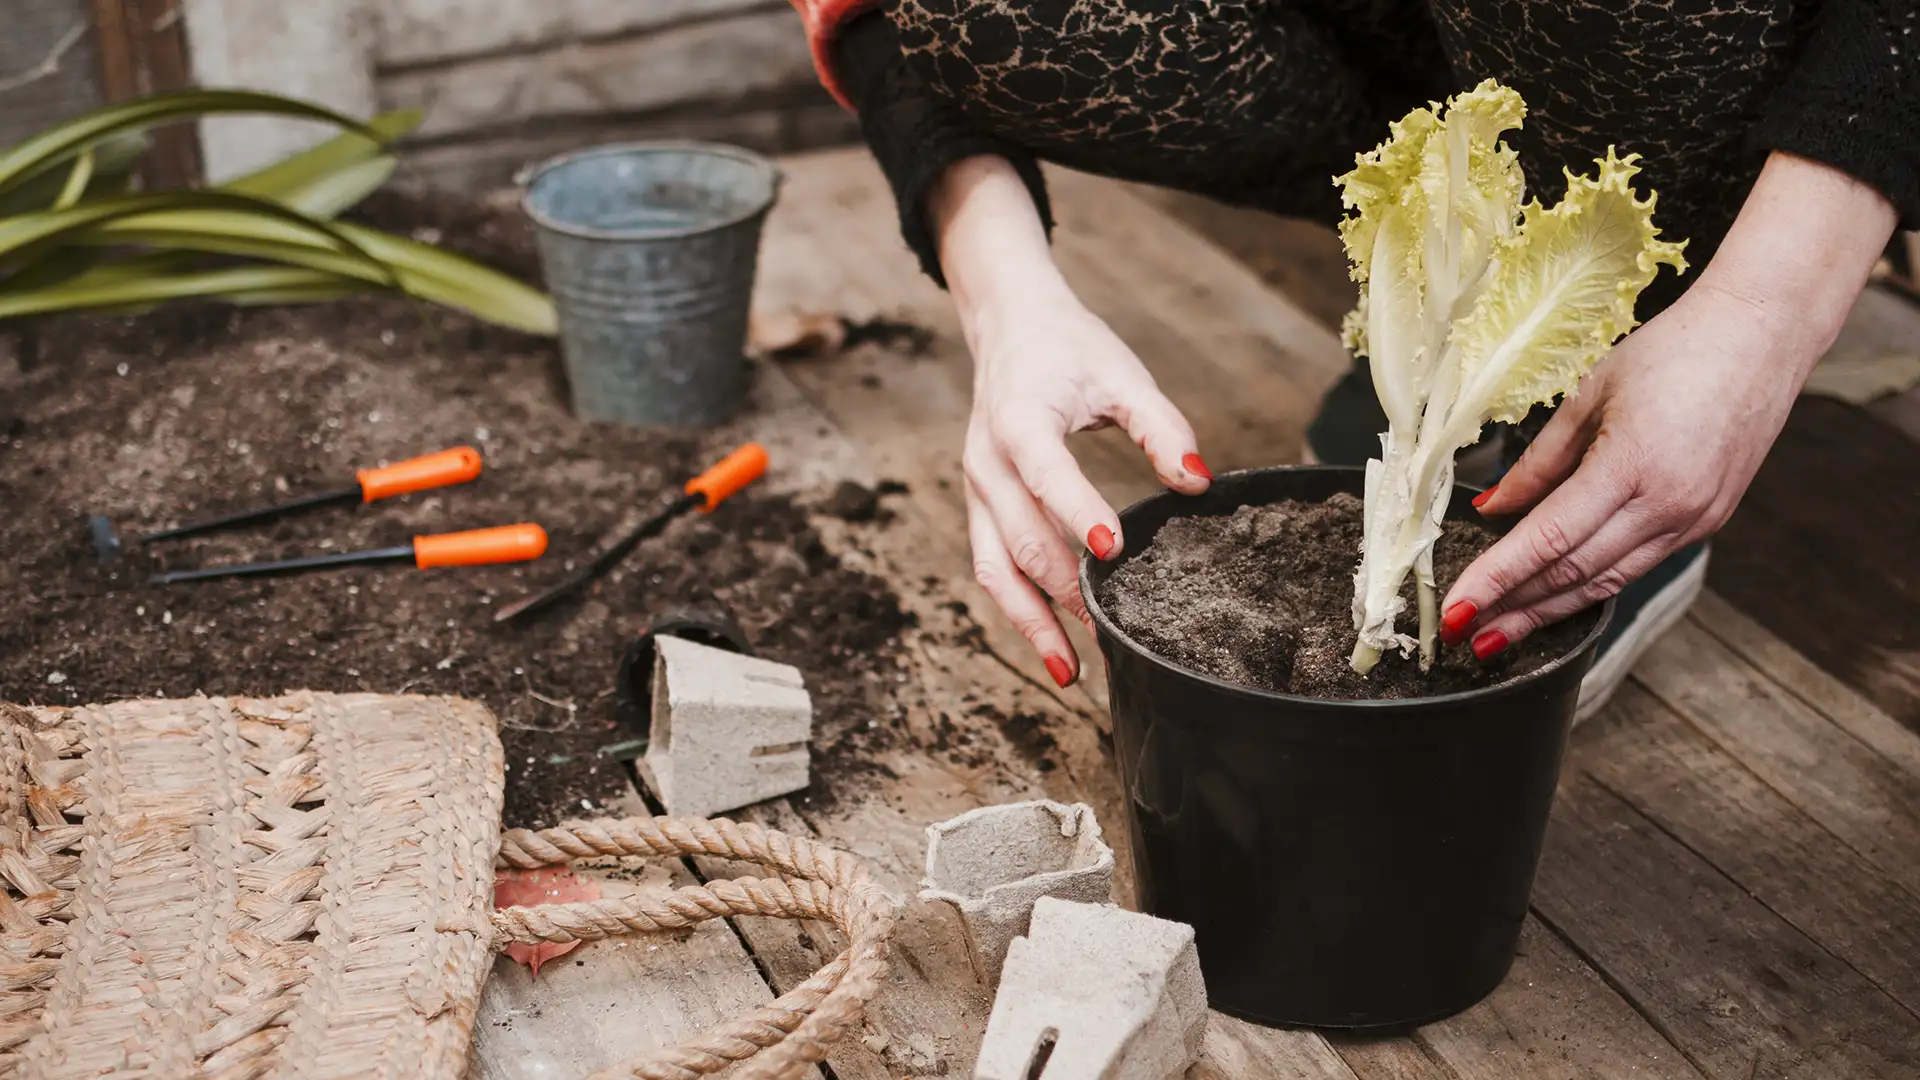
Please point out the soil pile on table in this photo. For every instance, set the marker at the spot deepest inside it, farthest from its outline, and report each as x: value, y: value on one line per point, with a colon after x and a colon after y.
x: 1264, y: 597
x: 202, y: 409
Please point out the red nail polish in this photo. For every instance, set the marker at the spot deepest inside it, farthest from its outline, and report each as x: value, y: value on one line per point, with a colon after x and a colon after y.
x: 1061, y: 673
x: 1099, y: 541
x: 1194, y: 465
x: 1481, y: 499
x: 1453, y: 622
x: 1489, y: 643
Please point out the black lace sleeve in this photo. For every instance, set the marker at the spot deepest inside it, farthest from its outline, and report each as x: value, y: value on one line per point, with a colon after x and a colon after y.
x: 1853, y: 99
x: 914, y: 133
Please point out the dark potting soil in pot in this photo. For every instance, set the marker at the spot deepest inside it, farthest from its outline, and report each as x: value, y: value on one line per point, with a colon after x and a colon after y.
x: 1264, y: 597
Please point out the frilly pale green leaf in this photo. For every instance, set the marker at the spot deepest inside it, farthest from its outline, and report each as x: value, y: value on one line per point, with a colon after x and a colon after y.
x: 1472, y: 309
x: 1563, y: 291
x: 1406, y: 174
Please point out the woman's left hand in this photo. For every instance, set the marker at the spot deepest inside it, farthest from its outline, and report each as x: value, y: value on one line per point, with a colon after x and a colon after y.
x: 1664, y: 436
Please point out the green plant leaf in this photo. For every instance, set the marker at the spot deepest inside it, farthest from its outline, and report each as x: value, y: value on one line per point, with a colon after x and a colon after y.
x: 335, y: 175
x: 114, y: 160
x: 77, y: 180
x: 61, y: 141
x: 237, y: 284
x: 455, y: 281
x: 228, y: 224
x: 316, y: 293
x: 195, y: 220
x: 58, y: 242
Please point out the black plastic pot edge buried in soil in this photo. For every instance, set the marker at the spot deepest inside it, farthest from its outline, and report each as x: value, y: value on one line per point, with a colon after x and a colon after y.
x: 1352, y: 865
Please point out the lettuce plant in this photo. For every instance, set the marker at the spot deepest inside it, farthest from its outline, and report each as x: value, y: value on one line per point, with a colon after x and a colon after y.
x: 1473, y: 308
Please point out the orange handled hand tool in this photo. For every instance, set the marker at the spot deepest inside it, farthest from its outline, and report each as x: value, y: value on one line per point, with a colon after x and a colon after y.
x: 704, y: 492
x: 455, y: 466
x: 477, y: 547
x: 728, y: 475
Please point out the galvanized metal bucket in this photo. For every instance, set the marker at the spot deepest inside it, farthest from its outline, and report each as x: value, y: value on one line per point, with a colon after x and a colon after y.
x: 650, y: 251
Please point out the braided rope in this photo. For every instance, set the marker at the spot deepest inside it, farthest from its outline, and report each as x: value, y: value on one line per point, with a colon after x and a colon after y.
x: 785, y: 1038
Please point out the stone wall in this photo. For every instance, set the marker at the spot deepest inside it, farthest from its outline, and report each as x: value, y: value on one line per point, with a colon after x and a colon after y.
x: 49, y: 68
x: 508, y: 82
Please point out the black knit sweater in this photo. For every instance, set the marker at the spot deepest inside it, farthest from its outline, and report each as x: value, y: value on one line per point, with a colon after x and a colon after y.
x: 1261, y: 102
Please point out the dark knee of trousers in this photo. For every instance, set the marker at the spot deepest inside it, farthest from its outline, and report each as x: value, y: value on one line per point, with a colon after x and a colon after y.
x: 1346, y: 430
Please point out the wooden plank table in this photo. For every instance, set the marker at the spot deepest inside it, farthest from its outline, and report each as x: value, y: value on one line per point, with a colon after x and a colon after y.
x: 1731, y: 884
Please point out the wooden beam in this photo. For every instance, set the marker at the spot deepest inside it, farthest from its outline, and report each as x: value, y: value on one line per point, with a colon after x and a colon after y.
x: 143, y: 50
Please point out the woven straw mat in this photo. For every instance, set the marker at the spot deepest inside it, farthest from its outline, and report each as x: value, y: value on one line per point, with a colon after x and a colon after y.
x: 241, y: 888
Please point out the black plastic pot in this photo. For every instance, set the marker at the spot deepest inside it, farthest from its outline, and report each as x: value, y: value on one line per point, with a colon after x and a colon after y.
x: 1344, y: 864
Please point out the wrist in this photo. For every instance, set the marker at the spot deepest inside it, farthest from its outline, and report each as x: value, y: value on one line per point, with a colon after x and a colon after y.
x: 1800, y: 252
x: 994, y: 251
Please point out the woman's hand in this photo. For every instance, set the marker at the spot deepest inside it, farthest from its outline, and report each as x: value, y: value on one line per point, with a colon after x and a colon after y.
x: 1661, y: 442
x: 1044, y: 367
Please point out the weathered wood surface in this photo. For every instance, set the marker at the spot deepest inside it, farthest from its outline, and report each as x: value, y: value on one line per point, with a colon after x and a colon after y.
x: 1731, y: 886
x: 610, y: 1001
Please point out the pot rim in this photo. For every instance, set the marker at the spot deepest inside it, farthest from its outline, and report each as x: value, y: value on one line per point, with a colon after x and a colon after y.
x: 1110, y: 629
x: 765, y: 166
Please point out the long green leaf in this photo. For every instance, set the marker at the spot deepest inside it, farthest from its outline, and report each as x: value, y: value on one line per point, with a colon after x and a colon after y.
x: 197, y: 233
x: 77, y: 180
x: 445, y: 278
x: 114, y: 160
x: 318, y: 293
x: 235, y: 283
x: 328, y: 197
x: 332, y: 177
x: 419, y: 269
x: 63, y: 140
x: 184, y: 214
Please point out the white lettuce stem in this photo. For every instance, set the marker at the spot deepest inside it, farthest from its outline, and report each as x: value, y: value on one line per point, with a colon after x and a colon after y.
x: 1429, y: 624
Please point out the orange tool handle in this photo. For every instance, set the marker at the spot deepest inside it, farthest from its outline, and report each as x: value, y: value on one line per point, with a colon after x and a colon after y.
x: 730, y: 474
x: 455, y: 466
x: 478, y: 547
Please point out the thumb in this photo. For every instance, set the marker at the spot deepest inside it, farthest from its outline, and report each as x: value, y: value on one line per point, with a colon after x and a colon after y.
x: 1156, y: 425
x: 1548, y: 460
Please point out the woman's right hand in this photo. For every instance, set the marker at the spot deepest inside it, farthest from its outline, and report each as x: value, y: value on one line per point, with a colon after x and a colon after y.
x: 1044, y: 368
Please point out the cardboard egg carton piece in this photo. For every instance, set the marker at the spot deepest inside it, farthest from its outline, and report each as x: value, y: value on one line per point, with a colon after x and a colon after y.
x: 992, y: 863
x: 727, y: 730
x: 1096, y: 992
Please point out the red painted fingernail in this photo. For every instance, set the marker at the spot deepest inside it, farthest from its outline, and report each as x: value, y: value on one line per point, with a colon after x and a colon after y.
x: 1489, y: 643
x: 1100, y: 540
x: 1194, y: 465
x: 1481, y: 499
x: 1453, y: 623
x: 1058, y: 668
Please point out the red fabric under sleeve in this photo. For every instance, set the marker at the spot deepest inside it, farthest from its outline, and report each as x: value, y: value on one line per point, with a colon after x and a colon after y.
x: 823, y: 19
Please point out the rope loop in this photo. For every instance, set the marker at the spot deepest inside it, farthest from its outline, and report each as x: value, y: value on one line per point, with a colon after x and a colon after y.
x: 783, y: 1039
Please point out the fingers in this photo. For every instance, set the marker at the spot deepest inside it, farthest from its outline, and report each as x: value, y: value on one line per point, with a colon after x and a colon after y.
x: 1548, y: 461
x: 1597, y: 569
x: 1156, y: 425
x: 1561, y: 524
x: 1591, y: 562
x: 1021, y: 559
x: 1510, y: 627
x: 1048, y: 470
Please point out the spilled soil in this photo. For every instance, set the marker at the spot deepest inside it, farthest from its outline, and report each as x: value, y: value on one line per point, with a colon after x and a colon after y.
x: 1263, y: 597
x: 204, y: 409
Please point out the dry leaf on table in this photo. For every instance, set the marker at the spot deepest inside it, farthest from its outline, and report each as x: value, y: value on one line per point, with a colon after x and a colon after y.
x: 792, y: 335
x: 548, y: 885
